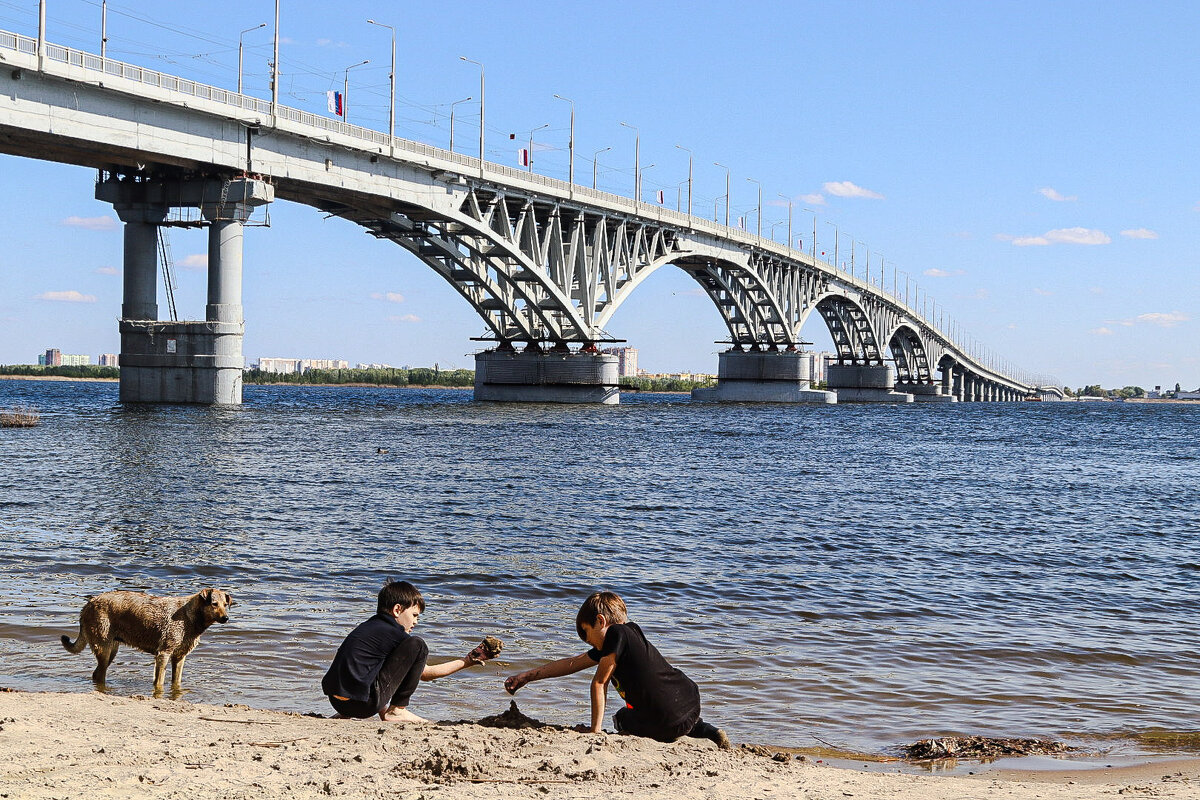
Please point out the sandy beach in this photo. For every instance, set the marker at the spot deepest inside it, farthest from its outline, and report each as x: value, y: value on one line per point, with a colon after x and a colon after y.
x: 60, y: 745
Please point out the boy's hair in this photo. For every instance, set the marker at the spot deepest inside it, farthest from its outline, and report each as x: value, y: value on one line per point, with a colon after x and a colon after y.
x: 402, y: 593
x: 609, y: 604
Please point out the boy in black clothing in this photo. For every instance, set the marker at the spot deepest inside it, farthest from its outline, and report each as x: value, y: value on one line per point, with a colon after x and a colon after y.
x: 378, y: 666
x: 660, y: 701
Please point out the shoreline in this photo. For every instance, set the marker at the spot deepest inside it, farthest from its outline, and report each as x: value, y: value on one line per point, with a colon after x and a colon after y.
x: 96, y: 746
x: 299, y: 385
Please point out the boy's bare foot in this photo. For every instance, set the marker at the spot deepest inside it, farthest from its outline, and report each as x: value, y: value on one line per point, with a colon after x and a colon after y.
x: 398, y: 714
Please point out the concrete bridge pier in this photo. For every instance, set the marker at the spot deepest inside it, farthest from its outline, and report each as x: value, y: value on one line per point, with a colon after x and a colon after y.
x: 557, y: 376
x: 183, y: 361
x: 763, y: 377
x: 865, y: 383
x: 925, y: 392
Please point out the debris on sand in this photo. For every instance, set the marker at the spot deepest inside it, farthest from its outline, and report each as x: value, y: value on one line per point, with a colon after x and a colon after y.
x: 982, y: 747
x: 513, y: 718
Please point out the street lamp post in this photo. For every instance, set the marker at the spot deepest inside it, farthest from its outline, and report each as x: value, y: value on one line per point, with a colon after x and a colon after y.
x: 596, y: 162
x: 240, y: 35
x: 275, y: 65
x: 789, y: 202
x: 866, y: 263
x: 836, y: 237
x: 481, y: 108
x: 758, y: 213
x: 452, y: 105
x: 637, y: 162
x: 814, y: 239
x: 346, y: 90
x: 392, y: 81
x: 531, y: 133
x: 648, y: 166
x: 104, y: 41
x: 690, y: 155
x: 722, y: 166
x: 570, y: 148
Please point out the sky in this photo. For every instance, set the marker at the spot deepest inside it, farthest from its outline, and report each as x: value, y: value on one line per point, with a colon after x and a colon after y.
x: 1031, y: 165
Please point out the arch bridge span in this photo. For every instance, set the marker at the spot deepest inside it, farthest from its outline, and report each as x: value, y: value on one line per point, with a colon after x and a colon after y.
x: 544, y: 263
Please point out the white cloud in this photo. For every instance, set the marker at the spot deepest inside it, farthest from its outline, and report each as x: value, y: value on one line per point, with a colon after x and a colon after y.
x: 1163, y: 320
x: 1060, y: 236
x: 1140, y: 233
x: 391, y: 297
x: 196, y: 262
x: 92, y: 223
x: 980, y: 294
x: 848, y: 189
x: 1095, y: 290
x: 70, y: 296
x: 1042, y: 292
x: 813, y: 199
x: 1051, y: 194
x: 405, y: 318
x: 108, y: 271
x: 942, y: 273
x: 1100, y: 332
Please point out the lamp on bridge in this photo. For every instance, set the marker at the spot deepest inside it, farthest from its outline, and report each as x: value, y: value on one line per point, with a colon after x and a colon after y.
x: 758, y: 214
x: 481, y: 108
x: 690, y: 155
x: 637, y: 162
x: 596, y: 162
x: 346, y: 90
x: 570, y: 144
x: 240, y: 35
x: 392, y: 81
x: 789, y: 202
x: 452, y: 105
x: 722, y: 166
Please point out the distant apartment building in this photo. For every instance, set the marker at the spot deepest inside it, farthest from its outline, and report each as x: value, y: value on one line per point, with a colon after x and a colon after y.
x: 109, y: 360
x: 69, y: 360
x: 376, y: 366
x: 292, y: 366
x: 627, y: 360
x: 51, y: 358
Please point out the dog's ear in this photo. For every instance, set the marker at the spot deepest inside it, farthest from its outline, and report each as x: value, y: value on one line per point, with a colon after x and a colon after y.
x: 228, y: 599
x: 206, y: 596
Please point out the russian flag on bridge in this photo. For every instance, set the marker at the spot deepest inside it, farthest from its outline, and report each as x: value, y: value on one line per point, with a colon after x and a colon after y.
x: 335, y: 103
x: 660, y: 197
x: 742, y: 223
x: 523, y: 157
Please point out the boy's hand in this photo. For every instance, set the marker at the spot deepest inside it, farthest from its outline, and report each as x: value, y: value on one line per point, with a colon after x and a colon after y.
x: 514, y: 682
x: 488, y: 649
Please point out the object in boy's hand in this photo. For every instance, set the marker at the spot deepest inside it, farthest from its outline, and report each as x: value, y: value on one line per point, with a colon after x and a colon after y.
x: 488, y: 649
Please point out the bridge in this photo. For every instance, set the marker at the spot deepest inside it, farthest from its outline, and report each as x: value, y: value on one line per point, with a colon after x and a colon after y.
x: 544, y: 262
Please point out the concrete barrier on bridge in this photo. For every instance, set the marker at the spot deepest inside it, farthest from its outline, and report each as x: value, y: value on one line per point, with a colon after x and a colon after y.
x: 925, y: 392
x: 531, y: 377
x: 763, y: 378
x: 865, y: 383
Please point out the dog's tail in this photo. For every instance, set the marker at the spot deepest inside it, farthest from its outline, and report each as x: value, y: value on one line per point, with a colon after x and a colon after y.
x: 79, y: 644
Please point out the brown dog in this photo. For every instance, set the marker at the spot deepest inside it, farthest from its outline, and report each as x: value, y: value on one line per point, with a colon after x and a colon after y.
x: 168, y: 627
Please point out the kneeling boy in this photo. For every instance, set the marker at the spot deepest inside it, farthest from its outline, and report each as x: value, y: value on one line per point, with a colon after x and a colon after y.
x: 378, y: 666
x: 660, y: 701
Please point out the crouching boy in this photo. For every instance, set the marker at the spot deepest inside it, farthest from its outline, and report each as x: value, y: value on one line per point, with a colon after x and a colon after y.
x: 378, y: 666
x: 660, y: 701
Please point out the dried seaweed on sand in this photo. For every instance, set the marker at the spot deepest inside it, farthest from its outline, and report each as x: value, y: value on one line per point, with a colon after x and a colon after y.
x: 982, y: 747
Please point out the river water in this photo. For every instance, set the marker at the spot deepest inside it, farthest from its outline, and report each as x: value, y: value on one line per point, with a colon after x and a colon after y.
x: 861, y: 576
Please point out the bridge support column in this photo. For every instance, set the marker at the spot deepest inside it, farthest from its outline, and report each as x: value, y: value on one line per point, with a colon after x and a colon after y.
x: 865, y: 383
x: 758, y: 377
x: 957, y: 379
x: 183, y: 362
x: 925, y: 392
x: 535, y: 377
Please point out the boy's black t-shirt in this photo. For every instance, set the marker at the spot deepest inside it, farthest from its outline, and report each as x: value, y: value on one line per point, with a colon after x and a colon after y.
x: 644, y: 679
x: 361, y: 656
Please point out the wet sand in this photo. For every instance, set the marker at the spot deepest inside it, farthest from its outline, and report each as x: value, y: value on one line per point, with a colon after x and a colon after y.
x: 99, y: 746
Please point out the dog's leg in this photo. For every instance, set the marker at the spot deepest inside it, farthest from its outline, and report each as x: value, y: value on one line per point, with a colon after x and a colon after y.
x: 160, y: 671
x: 105, y: 653
x: 177, y: 669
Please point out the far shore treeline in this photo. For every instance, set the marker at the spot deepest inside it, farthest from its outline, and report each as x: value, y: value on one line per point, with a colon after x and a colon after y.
x: 417, y: 376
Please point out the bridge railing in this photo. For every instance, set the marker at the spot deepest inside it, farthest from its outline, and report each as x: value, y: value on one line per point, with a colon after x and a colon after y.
x: 148, y: 77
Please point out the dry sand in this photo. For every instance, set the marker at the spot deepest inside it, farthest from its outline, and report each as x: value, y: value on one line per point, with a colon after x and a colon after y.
x: 99, y: 746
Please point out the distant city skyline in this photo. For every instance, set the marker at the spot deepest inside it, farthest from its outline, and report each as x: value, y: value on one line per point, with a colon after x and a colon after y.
x: 1028, y: 164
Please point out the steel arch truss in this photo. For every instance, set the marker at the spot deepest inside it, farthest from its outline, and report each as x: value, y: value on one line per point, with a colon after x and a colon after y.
x: 908, y: 351
x: 851, y: 329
